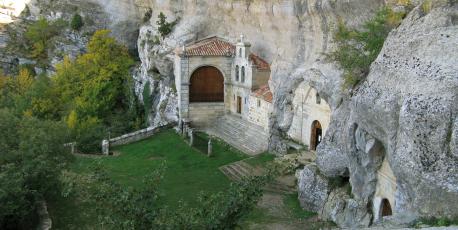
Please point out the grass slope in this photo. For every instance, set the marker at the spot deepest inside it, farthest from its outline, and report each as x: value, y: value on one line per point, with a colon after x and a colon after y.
x: 188, y: 172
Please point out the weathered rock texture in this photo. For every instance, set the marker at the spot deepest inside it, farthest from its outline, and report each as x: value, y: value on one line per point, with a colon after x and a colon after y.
x: 405, y: 111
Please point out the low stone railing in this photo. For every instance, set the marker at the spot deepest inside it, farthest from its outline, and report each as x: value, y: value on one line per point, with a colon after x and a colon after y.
x: 132, y: 137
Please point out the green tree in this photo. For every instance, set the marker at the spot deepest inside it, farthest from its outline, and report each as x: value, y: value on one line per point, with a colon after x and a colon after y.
x: 39, y: 35
x: 98, y: 87
x: 32, y: 159
x: 77, y: 22
x: 164, y: 27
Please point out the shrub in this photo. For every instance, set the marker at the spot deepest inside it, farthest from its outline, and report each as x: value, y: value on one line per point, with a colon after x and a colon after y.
x: 165, y: 28
x: 147, y: 100
x: 357, y: 49
x: 39, y: 37
x: 76, y: 22
x: 148, y: 15
x: 426, y: 6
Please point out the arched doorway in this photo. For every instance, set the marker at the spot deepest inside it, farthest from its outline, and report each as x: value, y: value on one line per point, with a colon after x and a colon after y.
x: 206, y: 85
x: 316, y: 135
x: 385, y: 208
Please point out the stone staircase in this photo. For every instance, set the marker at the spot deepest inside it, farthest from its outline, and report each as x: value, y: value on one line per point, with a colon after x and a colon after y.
x: 243, y: 135
x: 237, y: 171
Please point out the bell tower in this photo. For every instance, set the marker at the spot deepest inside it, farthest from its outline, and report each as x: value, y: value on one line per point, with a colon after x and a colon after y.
x: 243, y: 48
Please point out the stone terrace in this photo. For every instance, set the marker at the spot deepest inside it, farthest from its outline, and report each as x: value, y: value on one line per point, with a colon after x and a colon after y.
x: 243, y: 135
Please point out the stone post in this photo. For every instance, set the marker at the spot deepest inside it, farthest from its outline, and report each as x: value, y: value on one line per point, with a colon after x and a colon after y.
x: 210, y: 148
x: 191, y: 137
x: 72, y: 147
x: 106, y: 147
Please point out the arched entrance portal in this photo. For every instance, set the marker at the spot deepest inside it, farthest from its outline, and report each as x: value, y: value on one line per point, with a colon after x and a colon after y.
x: 206, y: 85
x: 385, y: 208
x: 316, y: 135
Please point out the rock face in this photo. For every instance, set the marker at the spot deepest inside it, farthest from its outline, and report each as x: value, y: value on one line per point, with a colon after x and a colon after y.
x: 406, y: 112
x: 313, y: 188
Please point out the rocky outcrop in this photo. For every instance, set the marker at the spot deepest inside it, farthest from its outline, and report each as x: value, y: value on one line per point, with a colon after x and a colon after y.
x: 313, y: 188
x: 404, y: 111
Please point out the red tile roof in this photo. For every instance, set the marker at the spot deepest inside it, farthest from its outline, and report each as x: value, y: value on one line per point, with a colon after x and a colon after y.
x: 260, y: 63
x: 264, y: 93
x: 215, y: 46
x: 212, y: 46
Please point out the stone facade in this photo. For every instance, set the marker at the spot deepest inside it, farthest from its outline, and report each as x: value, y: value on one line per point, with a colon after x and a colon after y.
x: 308, y: 107
x: 259, y: 111
x: 385, y: 189
x: 243, y: 74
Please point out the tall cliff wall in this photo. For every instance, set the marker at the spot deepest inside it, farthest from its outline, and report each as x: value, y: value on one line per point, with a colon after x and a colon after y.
x: 405, y: 112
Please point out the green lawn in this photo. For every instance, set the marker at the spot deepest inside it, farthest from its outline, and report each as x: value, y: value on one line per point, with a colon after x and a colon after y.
x: 188, y: 172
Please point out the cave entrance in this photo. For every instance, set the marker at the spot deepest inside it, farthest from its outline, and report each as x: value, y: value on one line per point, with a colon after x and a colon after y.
x: 385, y: 208
x: 316, y: 135
x: 207, y: 85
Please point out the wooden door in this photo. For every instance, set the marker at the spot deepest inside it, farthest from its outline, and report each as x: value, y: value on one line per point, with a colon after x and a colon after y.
x: 316, y: 135
x: 239, y: 105
x: 206, y: 85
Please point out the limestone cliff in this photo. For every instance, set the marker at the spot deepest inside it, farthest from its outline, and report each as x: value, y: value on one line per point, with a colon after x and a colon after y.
x: 404, y: 113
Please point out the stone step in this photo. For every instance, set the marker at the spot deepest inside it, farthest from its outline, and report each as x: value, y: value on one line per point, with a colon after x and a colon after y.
x: 241, y: 134
x: 240, y: 170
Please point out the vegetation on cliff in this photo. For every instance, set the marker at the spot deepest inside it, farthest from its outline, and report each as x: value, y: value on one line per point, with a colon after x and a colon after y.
x: 357, y: 49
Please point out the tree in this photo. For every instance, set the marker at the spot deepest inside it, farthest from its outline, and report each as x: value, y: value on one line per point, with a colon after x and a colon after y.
x: 164, y: 27
x: 31, y: 161
x: 97, y: 86
x: 39, y: 36
x: 77, y: 22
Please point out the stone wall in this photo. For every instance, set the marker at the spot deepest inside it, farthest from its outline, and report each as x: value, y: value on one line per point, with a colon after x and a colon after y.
x: 305, y: 112
x: 184, y: 68
x: 205, y: 113
x: 259, y: 111
x: 137, y: 135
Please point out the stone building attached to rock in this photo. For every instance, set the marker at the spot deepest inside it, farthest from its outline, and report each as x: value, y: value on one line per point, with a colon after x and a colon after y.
x: 215, y: 77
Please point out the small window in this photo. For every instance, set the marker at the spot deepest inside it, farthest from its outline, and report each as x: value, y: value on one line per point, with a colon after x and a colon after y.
x: 237, y: 73
x: 234, y: 97
x: 240, y: 52
x: 259, y: 103
x: 243, y: 74
x: 318, y: 98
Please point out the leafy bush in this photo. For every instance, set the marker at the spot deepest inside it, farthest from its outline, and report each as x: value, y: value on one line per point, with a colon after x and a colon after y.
x: 32, y: 158
x: 165, y: 28
x: 356, y: 50
x: 436, y: 222
x: 39, y: 37
x: 77, y: 22
x: 120, y: 207
x: 147, y: 100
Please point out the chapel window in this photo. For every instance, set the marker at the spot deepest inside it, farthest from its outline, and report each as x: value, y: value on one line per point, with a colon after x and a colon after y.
x: 237, y: 73
x: 240, y: 52
x: 243, y: 74
x: 318, y: 98
x: 259, y: 103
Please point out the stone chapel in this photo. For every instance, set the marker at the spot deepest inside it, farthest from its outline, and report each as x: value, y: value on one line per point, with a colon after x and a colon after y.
x: 223, y: 88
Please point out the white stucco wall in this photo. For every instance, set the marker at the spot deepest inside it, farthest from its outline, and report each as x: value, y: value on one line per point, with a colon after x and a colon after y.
x: 306, y: 111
